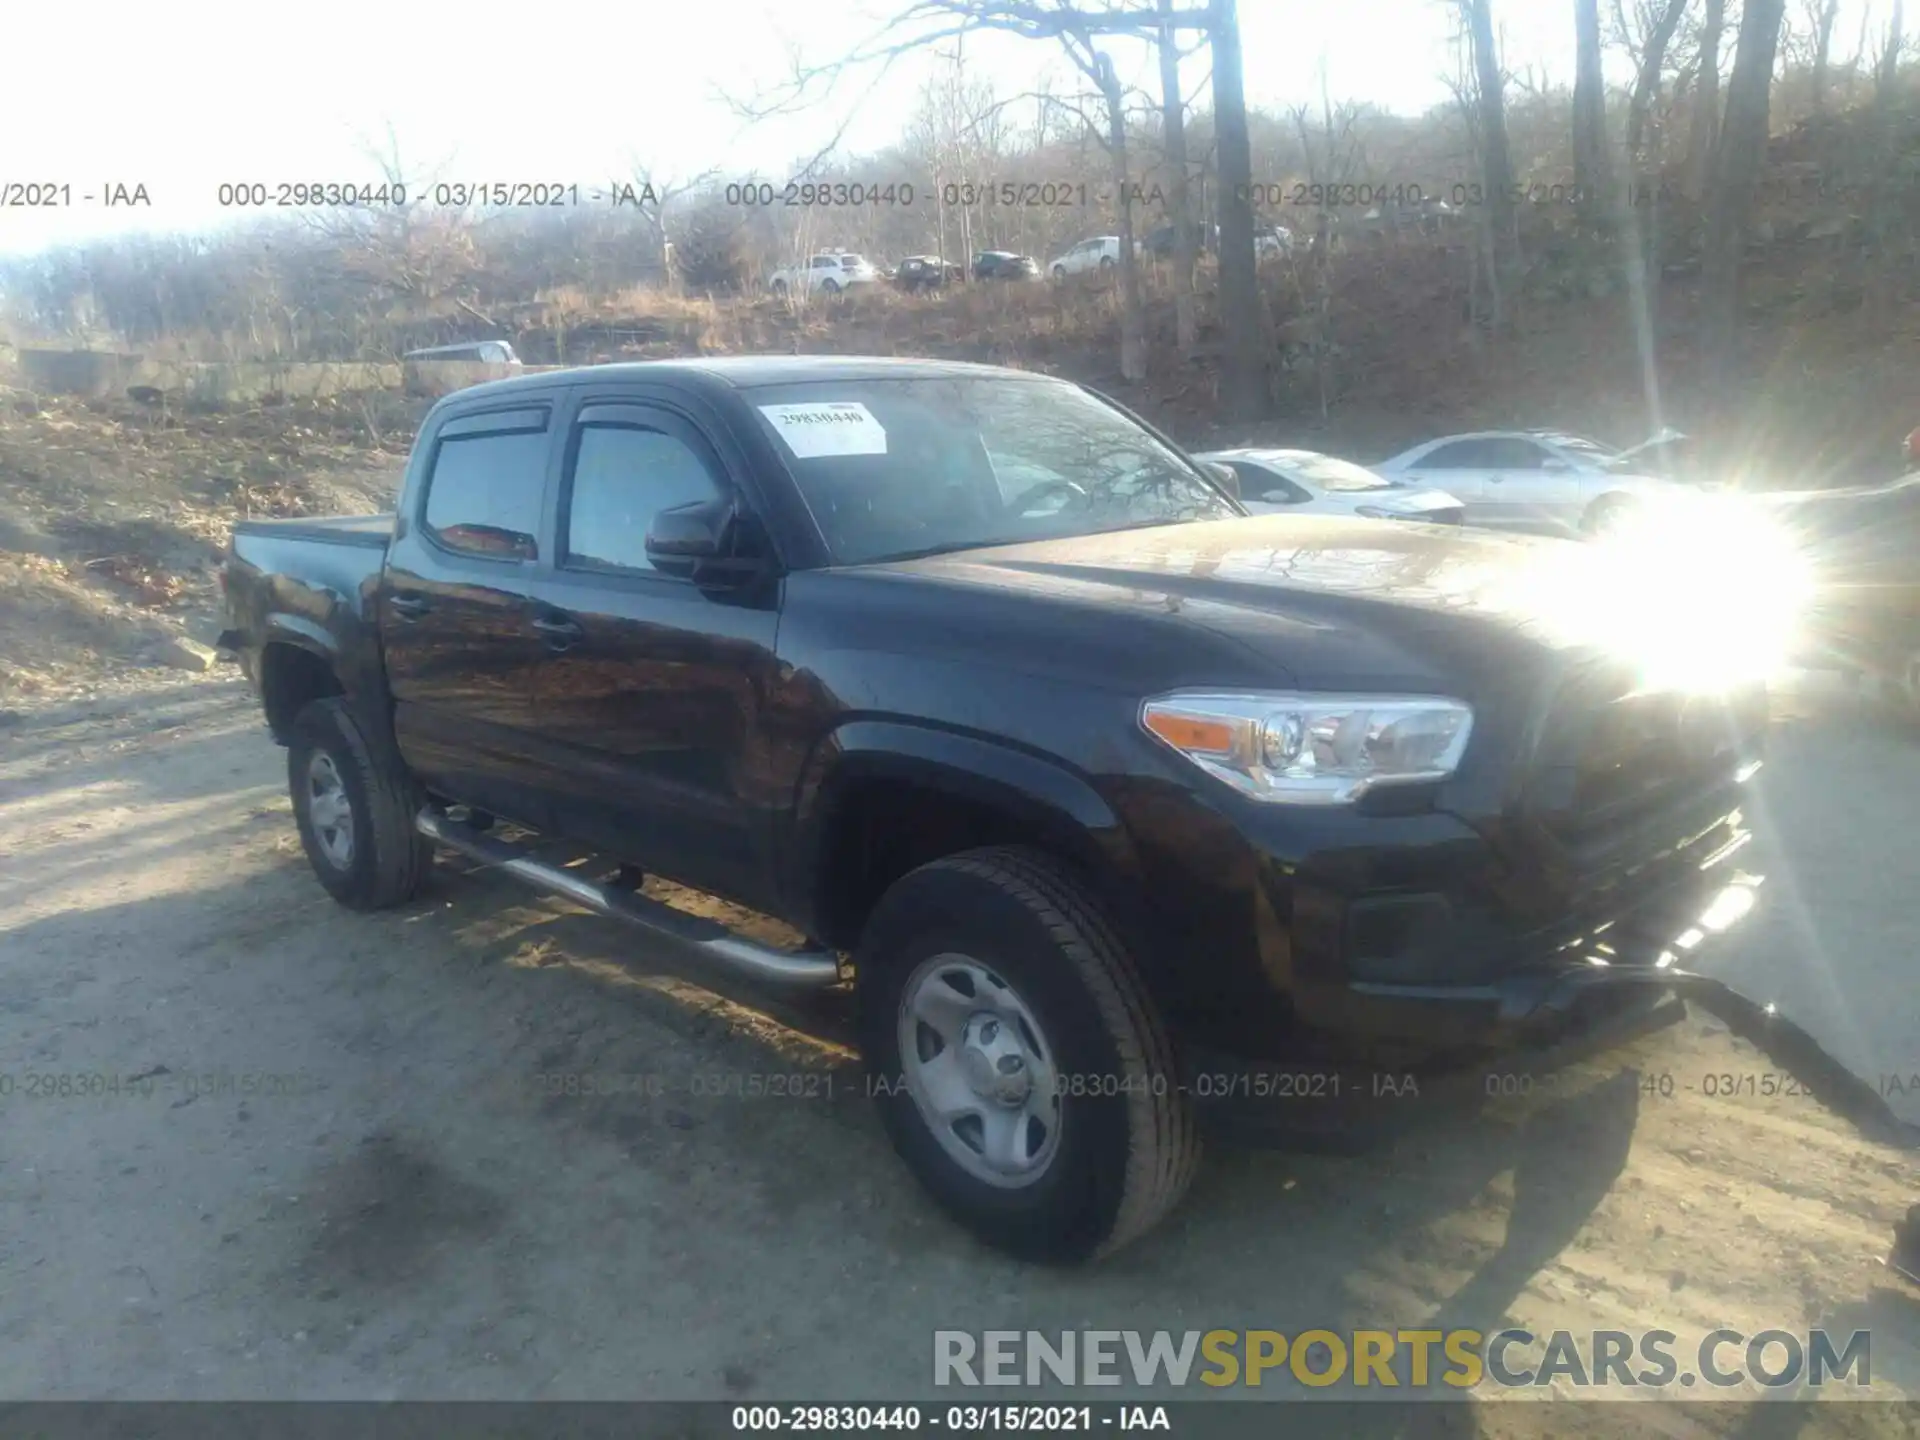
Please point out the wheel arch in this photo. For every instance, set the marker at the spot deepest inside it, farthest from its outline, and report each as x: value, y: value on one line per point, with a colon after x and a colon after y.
x: 299, y: 663
x: 881, y: 798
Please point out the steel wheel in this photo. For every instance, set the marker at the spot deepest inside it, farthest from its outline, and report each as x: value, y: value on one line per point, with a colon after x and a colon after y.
x: 329, y: 810
x: 980, y: 1071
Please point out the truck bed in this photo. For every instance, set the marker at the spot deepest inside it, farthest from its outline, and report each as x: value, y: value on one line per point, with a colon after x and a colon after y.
x: 308, y: 579
x: 372, y: 531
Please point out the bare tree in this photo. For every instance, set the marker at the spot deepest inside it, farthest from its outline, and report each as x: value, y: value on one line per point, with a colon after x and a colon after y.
x: 1590, y: 168
x: 1133, y: 319
x: 1740, y: 153
x: 1246, y: 381
x: 1173, y: 112
x: 1704, y: 135
x: 1888, y: 65
x: 1646, y: 80
x: 1077, y: 27
x: 1489, y: 114
x: 1823, y: 16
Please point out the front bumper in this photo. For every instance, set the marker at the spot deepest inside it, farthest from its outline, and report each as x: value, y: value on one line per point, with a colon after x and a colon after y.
x: 1464, y: 1044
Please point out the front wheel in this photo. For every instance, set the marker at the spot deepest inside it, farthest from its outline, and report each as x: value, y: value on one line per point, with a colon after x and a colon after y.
x: 1059, y: 274
x: 1019, y: 1066
x: 354, y: 804
x: 832, y: 287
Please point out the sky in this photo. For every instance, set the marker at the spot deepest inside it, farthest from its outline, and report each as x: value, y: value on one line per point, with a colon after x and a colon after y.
x: 183, y: 97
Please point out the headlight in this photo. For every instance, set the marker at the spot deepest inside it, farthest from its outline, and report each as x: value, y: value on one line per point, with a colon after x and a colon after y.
x: 1304, y: 749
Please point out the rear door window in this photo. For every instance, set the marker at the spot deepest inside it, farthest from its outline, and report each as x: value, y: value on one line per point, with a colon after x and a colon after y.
x: 485, y: 485
x: 1514, y: 454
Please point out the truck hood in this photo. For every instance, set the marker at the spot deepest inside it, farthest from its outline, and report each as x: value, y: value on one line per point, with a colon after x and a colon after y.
x: 1328, y: 599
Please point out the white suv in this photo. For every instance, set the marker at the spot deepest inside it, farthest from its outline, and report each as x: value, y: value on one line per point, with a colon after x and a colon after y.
x: 1102, y: 252
x: 829, y: 272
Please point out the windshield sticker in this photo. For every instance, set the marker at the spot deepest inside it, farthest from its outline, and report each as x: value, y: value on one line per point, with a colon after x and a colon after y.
x: 836, y: 427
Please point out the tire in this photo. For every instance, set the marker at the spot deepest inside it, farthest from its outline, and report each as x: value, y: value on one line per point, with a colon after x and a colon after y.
x: 1604, y: 514
x: 384, y: 861
x: 780, y: 288
x: 1106, y: 262
x: 832, y: 287
x: 1066, y: 1000
x: 1059, y: 274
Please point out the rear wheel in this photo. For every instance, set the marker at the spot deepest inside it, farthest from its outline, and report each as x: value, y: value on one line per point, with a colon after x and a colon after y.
x: 355, y: 804
x: 1606, y: 516
x: 1106, y: 262
x: 1017, y: 1061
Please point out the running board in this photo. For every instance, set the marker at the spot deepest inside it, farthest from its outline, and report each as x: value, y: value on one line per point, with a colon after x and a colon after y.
x: 802, y: 969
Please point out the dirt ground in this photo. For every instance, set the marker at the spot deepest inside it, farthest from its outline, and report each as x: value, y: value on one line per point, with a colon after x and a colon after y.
x: 326, y: 1160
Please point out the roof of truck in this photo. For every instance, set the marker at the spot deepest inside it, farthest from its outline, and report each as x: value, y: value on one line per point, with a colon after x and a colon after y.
x: 748, y: 371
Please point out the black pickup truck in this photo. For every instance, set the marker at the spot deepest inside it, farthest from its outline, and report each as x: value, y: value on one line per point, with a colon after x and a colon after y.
x: 1109, y: 806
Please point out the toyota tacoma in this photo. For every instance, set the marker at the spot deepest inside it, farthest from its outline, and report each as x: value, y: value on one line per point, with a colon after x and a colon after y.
x: 1110, y: 808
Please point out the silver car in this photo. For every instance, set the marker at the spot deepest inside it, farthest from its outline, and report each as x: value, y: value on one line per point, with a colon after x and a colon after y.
x: 1305, y: 482
x: 1537, y: 479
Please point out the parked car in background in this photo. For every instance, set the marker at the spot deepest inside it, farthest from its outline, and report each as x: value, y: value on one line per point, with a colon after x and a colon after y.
x: 490, y: 352
x: 1540, y: 479
x: 1005, y: 265
x: 1159, y: 242
x: 1102, y: 252
x: 828, y: 272
x: 1272, y: 240
x: 1305, y: 482
x: 926, y: 272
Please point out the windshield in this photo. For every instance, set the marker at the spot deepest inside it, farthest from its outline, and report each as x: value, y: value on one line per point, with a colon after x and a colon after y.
x: 897, y: 468
x: 1326, y: 472
x: 1579, y: 445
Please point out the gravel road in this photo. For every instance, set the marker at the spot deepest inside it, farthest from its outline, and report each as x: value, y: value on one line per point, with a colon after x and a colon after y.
x: 322, y: 1161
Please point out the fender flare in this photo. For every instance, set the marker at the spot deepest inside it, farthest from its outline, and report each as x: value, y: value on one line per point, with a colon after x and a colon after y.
x: 1055, y: 799
x: 364, y: 693
x: 283, y: 627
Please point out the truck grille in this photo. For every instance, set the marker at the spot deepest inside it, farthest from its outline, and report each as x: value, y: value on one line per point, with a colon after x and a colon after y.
x: 1622, y: 780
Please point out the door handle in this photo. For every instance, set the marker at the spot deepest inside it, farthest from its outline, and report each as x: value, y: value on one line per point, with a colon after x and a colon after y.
x: 559, y: 631
x: 408, y: 607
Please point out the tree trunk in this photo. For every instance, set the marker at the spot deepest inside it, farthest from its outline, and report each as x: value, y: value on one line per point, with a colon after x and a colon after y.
x: 1740, y: 153
x: 1244, y: 386
x: 1822, y: 44
x: 1133, y: 327
x: 1173, y: 113
x: 1496, y: 160
x: 1590, y: 168
x: 1705, y: 133
x: 1646, y: 83
x: 1889, y: 67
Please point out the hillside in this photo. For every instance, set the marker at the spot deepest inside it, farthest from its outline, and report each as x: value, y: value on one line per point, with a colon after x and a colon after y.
x: 113, y: 513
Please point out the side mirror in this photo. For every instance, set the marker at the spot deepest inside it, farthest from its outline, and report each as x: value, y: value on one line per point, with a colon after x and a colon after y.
x: 1228, y: 477
x: 698, y: 541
